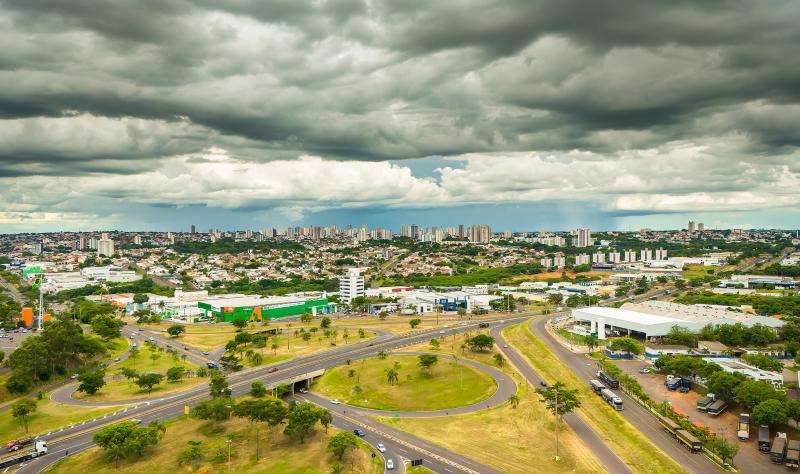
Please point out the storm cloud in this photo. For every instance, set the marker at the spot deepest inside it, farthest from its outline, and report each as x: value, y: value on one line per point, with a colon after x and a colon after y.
x: 521, y: 96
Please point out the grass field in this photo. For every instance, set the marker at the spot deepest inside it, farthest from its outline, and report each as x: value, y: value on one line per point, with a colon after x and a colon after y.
x: 630, y: 444
x: 144, y: 362
x: 418, y: 470
x: 122, y: 390
x: 449, y: 385
x: 284, y: 456
x: 696, y: 271
x: 49, y: 416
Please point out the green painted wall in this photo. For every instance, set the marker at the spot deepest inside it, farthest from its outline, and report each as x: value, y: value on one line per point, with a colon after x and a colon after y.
x: 246, y: 312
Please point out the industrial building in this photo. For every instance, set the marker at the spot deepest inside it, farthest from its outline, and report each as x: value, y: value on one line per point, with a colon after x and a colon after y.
x: 653, y: 319
x: 735, y: 366
x: 221, y: 308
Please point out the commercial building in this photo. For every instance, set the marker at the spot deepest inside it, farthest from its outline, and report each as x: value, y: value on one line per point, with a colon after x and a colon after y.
x: 351, y: 286
x: 751, y: 281
x: 225, y: 308
x: 653, y: 319
x: 735, y: 366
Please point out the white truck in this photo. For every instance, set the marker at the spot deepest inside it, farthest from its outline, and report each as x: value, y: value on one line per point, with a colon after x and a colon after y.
x: 39, y: 449
x: 743, y: 433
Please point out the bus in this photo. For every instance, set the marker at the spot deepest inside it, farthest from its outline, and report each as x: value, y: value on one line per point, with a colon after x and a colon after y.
x: 690, y: 441
x: 669, y: 425
x: 607, y: 379
x: 596, y: 386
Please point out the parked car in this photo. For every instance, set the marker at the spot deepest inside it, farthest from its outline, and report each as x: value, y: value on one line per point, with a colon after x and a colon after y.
x: 543, y: 383
x: 644, y: 370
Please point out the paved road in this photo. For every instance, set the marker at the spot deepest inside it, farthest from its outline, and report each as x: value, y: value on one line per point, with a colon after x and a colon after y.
x: 15, y: 294
x: 634, y: 413
x: 588, y: 436
x: 79, y: 438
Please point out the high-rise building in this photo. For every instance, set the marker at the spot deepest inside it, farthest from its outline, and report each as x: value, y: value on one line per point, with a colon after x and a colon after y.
x: 36, y: 248
x: 646, y: 255
x: 560, y: 261
x: 460, y: 231
x: 137, y: 240
x: 661, y: 254
x: 582, y: 259
x: 351, y: 285
x: 81, y: 242
x: 583, y: 238
x: 599, y: 257
x: 701, y: 227
x: 479, y: 234
x: 691, y: 227
x: 546, y: 262
x: 630, y: 256
x: 614, y: 257
x: 193, y: 229
x: 105, y: 246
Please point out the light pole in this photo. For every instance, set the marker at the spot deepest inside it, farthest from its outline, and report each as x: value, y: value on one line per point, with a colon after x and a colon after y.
x: 230, y: 442
x: 557, y: 417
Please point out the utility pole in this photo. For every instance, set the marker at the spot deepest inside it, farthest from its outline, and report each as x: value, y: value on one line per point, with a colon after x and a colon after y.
x: 557, y: 418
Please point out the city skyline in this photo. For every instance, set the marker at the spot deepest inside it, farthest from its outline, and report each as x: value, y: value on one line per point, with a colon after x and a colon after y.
x: 546, y: 113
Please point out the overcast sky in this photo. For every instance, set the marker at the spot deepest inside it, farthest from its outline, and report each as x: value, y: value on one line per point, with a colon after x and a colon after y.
x: 521, y: 114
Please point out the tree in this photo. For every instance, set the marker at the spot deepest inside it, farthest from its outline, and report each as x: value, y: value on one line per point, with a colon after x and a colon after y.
x: 106, y: 326
x: 2, y: 356
x: 383, y: 315
x: 23, y: 410
x: 134, y: 353
x: 763, y: 362
x: 306, y: 318
x: 140, y: 298
x: 154, y: 355
x: 427, y: 361
x: 121, y: 440
x: 750, y: 393
x: 392, y: 375
x: 256, y: 411
x: 680, y: 284
x: 276, y: 413
x: 725, y: 450
x: 627, y: 345
x: 301, y: 420
x: 381, y: 354
x: 129, y: 373
x: 499, y: 360
x: 218, y: 385
x: 341, y: 442
x: 769, y: 412
x: 191, y: 455
x: 176, y: 373
x: 435, y: 344
x: 176, y: 330
x: 723, y: 384
x: 591, y: 341
x: 258, y: 390
x: 148, y: 381
x: 239, y: 324
x: 559, y: 400
x: 361, y: 335
x: 479, y: 343
x: 325, y: 322
x: 555, y: 298
x: 91, y: 382
x: 641, y: 286
x: 216, y: 409
x: 415, y: 322
x: 461, y: 312
x: 682, y: 336
x: 513, y: 400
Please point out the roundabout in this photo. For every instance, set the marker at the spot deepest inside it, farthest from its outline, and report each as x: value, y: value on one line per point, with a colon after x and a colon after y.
x: 450, y: 387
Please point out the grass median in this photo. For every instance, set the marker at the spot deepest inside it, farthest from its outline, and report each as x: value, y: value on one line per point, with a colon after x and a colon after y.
x: 623, y: 438
x: 447, y: 385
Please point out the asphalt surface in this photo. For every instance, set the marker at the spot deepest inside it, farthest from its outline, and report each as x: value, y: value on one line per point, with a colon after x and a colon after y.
x: 633, y: 412
x: 588, y: 436
x: 78, y: 438
x: 15, y: 294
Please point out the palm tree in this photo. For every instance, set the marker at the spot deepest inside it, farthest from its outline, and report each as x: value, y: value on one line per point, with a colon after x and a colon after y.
x: 591, y: 341
x: 392, y: 376
x: 513, y: 400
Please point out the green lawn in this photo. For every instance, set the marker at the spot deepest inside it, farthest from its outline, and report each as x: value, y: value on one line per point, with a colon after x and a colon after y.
x: 122, y: 390
x: 144, y: 363
x: 623, y: 438
x: 449, y: 385
x: 49, y: 416
x: 283, y: 456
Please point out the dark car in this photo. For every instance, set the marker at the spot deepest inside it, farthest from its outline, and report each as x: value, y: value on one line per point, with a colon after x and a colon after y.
x: 274, y: 369
x: 543, y: 383
x: 359, y: 433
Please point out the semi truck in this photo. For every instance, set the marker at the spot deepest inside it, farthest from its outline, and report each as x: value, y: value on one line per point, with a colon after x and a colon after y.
x: 596, y: 386
x: 763, y: 438
x: 612, y: 399
x: 607, y: 379
x: 689, y: 440
x: 743, y: 432
x: 777, y: 452
x: 717, y: 407
x: 18, y: 444
x: 793, y: 454
x: 669, y: 425
x: 705, y: 402
x: 39, y: 449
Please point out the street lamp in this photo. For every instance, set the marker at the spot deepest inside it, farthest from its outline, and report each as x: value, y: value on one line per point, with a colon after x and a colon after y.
x: 230, y: 442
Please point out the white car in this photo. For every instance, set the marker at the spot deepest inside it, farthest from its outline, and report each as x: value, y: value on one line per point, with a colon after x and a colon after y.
x: 441, y: 332
x: 505, y: 346
x: 381, y: 447
x: 389, y: 464
x: 644, y: 370
x: 335, y: 401
x: 670, y: 377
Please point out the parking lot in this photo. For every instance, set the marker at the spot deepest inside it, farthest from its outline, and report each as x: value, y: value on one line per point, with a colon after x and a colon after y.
x: 10, y: 341
x: 724, y: 425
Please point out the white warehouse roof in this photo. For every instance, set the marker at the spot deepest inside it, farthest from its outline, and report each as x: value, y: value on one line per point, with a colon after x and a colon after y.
x: 649, y: 324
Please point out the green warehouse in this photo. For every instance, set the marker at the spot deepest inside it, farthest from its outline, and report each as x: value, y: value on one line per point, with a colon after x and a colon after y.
x: 257, y: 308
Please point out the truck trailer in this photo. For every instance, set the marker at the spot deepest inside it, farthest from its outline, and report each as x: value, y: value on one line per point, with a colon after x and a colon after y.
x: 689, y: 440
x: 705, y: 402
x: 743, y: 432
x: 793, y: 454
x: 717, y: 407
x: 39, y: 449
x: 612, y: 399
x: 777, y: 452
x: 763, y: 438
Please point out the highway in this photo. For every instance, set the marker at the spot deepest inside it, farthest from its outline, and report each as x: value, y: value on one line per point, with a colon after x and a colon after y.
x: 78, y: 438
